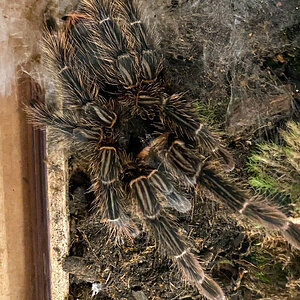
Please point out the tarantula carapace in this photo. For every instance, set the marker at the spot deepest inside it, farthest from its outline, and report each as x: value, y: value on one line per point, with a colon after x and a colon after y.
x: 139, y: 141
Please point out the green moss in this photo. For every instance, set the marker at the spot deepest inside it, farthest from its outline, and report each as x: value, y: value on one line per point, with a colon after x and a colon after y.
x: 275, y: 169
x: 266, y: 269
x: 262, y: 277
x: 213, y: 112
x: 258, y: 259
x: 263, y: 183
x: 225, y: 261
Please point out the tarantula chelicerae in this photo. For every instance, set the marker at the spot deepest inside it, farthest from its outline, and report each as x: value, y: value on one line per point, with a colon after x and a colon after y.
x: 139, y: 141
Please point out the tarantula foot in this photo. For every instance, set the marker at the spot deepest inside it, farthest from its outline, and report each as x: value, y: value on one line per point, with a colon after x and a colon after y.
x: 194, y: 274
x: 210, y: 289
x: 291, y: 232
x: 121, y: 229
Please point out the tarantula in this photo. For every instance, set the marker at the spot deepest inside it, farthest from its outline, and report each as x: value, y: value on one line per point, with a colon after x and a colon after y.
x: 140, y: 141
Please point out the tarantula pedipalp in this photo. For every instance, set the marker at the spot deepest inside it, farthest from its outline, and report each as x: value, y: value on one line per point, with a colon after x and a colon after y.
x: 140, y: 142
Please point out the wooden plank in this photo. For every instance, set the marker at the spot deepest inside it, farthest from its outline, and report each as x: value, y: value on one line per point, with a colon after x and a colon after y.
x: 33, y: 166
x: 16, y: 241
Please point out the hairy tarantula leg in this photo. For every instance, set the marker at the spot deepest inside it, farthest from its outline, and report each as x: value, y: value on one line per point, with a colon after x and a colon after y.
x: 68, y: 125
x: 105, y: 34
x: 257, y: 210
x: 183, y: 118
x: 104, y: 116
x: 175, y: 200
x: 110, y: 194
x: 182, y: 161
x: 170, y: 241
x: 75, y: 83
x: 134, y: 27
x: 118, y: 64
x: 79, y: 32
x: 139, y: 40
